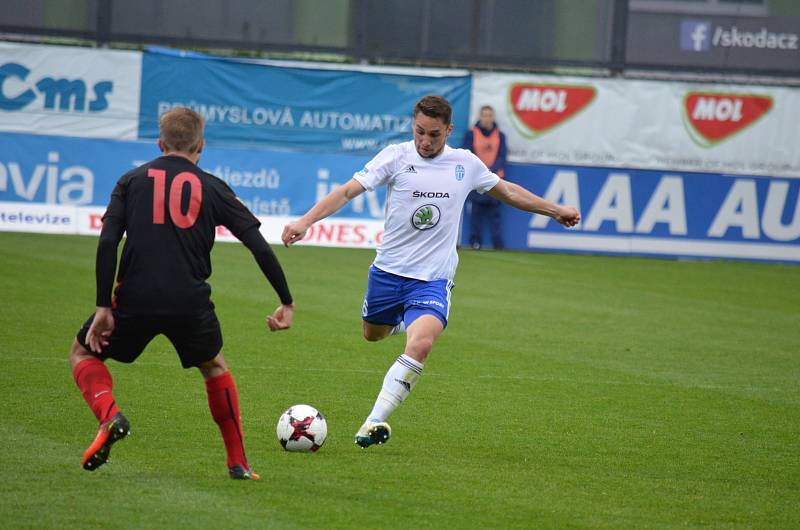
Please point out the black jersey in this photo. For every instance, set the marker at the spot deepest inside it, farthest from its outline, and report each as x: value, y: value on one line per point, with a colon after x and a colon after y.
x: 170, y: 209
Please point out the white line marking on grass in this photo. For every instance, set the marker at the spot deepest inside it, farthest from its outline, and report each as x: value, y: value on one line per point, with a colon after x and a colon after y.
x: 737, y: 390
x: 238, y: 367
x: 507, y: 257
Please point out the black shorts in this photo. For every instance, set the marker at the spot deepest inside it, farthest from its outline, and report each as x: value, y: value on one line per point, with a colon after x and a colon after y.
x: 197, y: 338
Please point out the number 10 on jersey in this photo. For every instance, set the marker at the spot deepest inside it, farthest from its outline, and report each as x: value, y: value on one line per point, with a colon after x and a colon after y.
x: 179, y: 218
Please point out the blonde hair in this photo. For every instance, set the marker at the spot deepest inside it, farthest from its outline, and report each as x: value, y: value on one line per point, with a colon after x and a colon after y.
x: 181, y: 129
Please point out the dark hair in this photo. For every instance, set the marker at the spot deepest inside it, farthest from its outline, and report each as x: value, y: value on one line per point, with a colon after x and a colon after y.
x: 435, y: 107
x: 486, y: 107
x: 181, y: 129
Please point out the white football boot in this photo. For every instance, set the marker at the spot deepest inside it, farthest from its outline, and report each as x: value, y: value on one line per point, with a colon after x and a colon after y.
x: 373, y: 432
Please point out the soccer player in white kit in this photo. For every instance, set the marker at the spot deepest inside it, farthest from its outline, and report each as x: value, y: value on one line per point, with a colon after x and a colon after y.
x: 412, y: 275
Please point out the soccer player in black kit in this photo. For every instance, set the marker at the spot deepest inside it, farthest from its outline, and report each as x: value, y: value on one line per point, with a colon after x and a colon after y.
x: 170, y: 209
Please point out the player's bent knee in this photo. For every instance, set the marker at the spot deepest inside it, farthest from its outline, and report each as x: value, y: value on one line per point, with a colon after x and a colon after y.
x: 420, y: 346
x: 78, y: 353
x: 374, y: 332
x: 213, y: 367
x: 76, y: 349
x: 371, y: 336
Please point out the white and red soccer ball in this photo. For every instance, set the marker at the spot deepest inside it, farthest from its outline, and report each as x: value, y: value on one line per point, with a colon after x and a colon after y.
x: 302, y: 429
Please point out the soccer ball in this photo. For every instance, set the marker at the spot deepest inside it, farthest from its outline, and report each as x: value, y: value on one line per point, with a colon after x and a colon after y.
x: 302, y: 429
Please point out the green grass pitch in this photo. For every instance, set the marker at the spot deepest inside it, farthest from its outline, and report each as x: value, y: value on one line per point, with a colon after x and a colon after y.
x: 567, y: 392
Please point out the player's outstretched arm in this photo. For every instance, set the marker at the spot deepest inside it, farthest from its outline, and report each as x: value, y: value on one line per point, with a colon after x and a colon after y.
x: 328, y: 205
x: 282, y: 317
x: 518, y: 197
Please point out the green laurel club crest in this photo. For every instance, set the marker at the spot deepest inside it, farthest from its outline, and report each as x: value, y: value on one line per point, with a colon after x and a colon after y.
x: 425, y: 217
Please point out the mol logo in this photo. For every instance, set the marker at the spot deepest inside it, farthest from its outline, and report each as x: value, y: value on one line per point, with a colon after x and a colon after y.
x: 17, y: 91
x: 713, y: 117
x: 538, y: 108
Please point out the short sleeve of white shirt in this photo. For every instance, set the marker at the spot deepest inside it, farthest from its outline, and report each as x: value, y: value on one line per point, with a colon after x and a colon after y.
x: 483, y: 180
x: 379, y: 170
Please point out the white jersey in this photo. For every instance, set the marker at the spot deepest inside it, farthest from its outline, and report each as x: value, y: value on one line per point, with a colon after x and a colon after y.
x: 424, y: 201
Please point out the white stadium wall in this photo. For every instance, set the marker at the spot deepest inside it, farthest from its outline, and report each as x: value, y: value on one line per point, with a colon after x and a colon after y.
x: 657, y: 168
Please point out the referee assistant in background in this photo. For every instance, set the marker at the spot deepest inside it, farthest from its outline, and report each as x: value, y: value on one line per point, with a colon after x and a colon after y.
x: 489, y: 144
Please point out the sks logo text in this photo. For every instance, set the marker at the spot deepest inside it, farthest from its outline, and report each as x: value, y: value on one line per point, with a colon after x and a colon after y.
x: 17, y: 91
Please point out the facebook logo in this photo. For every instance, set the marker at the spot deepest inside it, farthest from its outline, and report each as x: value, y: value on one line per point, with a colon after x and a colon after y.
x: 695, y: 35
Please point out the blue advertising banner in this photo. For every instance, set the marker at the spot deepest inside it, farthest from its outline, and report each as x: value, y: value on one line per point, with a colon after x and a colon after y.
x: 292, y: 108
x: 83, y: 172
x: 624, y: 211
x: 659, y: 213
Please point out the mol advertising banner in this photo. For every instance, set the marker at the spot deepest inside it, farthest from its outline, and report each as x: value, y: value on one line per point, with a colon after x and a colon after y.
x: 660, y: 213
x: 62, y: 185
x: 69, y: 91
x: 296, y: 108
x: 745, y: 130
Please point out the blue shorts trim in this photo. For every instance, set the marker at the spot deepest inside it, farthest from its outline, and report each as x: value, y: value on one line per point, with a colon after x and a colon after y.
x: 391, y: 298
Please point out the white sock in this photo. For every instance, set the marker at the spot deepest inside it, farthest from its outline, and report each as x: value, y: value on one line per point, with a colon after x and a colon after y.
x: 400, y: 328
x: 397, y: 385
